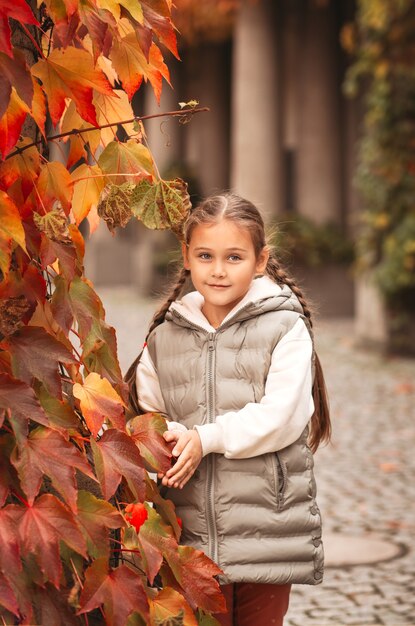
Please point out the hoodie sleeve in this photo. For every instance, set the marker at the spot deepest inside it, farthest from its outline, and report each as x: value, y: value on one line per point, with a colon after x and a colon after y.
x: 149, y: 393
x: 282, y: 414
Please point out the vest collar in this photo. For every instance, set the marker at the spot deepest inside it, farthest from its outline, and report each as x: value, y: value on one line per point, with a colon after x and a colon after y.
x: 263, y: 295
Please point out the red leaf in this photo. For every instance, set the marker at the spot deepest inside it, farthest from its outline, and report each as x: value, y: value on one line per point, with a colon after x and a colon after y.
x: 147, y: 431
x: 7, y: 597
x: 20, y: 399
x: 36, y: 353
x: 11, y: 123
x: 41, y: 528
x: 10, y: 564
x: 18, y: 10
x: 77, y: 300
x: 47, y: 452
x: 193, y: 570
x: 8, y: 477
x: 95, y: 517
x: 120, y: 590
x: 54, y: 609
x: 99, y: 401
x: 71, y: 73
x: 116, y: 455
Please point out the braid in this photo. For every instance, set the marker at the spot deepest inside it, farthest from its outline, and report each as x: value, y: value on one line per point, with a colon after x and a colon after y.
x: 280, y: 276
x: 131, y: 375
x: 320, y: 426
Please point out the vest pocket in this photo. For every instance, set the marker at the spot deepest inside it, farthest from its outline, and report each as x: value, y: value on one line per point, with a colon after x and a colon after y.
x: 280, y: 478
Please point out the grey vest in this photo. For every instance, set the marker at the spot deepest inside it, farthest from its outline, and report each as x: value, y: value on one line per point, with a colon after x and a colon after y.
x: 257, y: 518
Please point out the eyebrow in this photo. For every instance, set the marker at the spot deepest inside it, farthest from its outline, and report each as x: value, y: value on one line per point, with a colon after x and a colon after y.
x: 227, y: 249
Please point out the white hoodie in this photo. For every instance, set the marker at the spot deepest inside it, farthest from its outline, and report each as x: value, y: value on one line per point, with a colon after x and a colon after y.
x: 266, y: 426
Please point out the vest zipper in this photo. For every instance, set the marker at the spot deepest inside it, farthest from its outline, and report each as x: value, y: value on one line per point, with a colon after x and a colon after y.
x: 211, y: 458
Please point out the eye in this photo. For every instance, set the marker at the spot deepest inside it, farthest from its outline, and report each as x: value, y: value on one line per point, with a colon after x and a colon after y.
x: 234, y: 257
x: 205, y: 256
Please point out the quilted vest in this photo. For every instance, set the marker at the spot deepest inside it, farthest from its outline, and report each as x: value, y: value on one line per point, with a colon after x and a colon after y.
x: 257, y: 518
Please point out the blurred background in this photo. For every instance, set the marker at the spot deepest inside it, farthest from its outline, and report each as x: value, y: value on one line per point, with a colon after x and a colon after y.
x: 312, y: 117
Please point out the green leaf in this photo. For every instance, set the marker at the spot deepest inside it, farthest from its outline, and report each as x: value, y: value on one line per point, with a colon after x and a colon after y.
x: 147, y: 432
x: 95, y: 517
x: 47, y: 452
x: 126, y: 158
x: 163, y: 204
x: 36, y: 353
x: 117, y: 456
x: 59, y: 412
x: 120, y: 591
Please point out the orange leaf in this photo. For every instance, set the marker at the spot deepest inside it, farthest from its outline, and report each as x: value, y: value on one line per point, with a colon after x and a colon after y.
x: 110, y: 110
x: 38, y: 110
x: 161, y: 24
x: 87, y: 186
x: 70, y: 73
x: 72, y: 120
x: 23, y: 167
x: 131, y: 64
x: 169, y: 604
x: 99, y: 401
x: 11, y: 227
x: 55, y: 184
x: 11, y: 123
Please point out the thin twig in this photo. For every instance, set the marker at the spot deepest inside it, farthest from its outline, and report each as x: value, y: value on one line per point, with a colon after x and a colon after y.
x: 74, y: 131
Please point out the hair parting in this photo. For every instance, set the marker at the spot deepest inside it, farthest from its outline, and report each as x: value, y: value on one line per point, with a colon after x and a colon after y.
x: 232, y: 207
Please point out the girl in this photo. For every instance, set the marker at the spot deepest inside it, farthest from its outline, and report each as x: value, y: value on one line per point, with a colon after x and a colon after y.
x: 232, y: 366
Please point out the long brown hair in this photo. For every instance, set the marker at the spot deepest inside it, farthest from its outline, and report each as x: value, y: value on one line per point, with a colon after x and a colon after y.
x: 236, y: 209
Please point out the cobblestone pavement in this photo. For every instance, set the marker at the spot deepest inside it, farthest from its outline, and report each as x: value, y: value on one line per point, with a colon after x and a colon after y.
x: 366, y: 477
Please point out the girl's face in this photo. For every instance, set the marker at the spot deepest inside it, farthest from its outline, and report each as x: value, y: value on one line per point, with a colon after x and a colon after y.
x: 222, y: 262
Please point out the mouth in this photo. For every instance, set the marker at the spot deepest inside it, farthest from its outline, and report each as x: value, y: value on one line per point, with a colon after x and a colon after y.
x: 218, y: 286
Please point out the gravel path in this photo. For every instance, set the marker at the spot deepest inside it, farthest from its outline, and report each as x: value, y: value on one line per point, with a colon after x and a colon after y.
x: 366, y: 477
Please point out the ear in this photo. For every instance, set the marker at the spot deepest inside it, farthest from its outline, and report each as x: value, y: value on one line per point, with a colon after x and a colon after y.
x: 262, y: 260
x: 185, y: 254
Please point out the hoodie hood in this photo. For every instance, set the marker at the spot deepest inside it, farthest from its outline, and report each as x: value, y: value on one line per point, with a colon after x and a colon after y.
x: 264, y: 295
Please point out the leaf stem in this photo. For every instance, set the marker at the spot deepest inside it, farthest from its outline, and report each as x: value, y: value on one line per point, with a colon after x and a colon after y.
x: 183, y: 113
x: 32, y: 39
x: 20, y: 498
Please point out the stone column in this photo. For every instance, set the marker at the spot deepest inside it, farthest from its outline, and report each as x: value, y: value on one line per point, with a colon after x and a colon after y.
x: 319, y: 182
x: 207, y: 135
x: 255, y: 138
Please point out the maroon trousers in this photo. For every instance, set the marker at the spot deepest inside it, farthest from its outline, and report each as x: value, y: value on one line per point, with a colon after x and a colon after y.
x: 252, y: 604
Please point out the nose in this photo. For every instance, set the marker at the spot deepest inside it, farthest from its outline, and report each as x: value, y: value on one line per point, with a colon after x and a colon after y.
x: 218, y: 269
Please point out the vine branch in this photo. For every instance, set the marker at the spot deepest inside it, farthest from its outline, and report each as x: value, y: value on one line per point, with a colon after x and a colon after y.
x: 185, y: 113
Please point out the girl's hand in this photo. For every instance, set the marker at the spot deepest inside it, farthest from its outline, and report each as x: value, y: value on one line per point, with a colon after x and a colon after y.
x: 188, y: 449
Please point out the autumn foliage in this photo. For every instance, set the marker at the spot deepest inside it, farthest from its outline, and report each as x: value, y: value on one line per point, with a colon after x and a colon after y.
x: 72, y: 477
